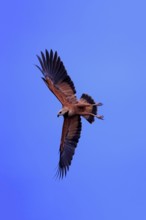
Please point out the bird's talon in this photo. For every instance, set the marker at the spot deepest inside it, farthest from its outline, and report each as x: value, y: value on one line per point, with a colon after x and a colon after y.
x: 100, y: 117
x: 99, y: 104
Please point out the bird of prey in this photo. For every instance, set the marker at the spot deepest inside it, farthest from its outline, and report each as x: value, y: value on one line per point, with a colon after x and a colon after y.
x: 59, y: 82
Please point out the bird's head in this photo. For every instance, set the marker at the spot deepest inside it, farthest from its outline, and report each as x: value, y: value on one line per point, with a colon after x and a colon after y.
x: 62, y: 112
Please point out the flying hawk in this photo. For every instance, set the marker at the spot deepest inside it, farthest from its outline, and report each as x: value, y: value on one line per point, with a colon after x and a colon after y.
x: 59, y: 82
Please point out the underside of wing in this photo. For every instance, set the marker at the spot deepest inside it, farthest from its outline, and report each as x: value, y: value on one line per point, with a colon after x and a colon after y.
x: 70, y: 136
x: 56, y: 77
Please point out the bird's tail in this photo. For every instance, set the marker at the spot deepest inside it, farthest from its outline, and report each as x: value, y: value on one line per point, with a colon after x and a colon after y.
x: 89, y: 109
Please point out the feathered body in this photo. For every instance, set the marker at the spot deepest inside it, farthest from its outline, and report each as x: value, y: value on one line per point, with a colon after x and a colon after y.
x: 59, y: 82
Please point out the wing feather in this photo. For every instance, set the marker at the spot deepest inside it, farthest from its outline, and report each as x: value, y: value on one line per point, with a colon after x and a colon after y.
x: 56, y: 77
x: 54, y: 61
x: 70, y: 136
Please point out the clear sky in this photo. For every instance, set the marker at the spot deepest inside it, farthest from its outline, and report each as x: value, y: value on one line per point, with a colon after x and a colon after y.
x: 103, y: 47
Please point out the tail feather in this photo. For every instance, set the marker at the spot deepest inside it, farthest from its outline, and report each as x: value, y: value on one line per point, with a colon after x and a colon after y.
x: 91, y: 109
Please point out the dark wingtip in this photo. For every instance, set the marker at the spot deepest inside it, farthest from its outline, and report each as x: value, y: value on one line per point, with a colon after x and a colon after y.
x: 61, y: 172
x: 46, y: 51
x: 41, y: 63
x: 43, y: 57
x: 44, y: 80
x: 39, y: 68
x: 51, y: 51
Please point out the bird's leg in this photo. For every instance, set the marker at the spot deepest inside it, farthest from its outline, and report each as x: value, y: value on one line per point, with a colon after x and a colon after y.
x: 88, y: 104
x: 97, y: 104
x: 100, y: 117
x: 97, y: 116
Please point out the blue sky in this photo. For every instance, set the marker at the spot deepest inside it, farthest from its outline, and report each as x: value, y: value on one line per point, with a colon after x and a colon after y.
x: 103, y: 47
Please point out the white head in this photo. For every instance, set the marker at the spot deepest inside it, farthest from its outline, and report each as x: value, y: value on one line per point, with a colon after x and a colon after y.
x: 62, y: 112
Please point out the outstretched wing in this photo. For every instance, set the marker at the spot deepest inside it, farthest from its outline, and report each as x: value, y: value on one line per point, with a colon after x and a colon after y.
x: 56, y: 77
x: 70, y: 136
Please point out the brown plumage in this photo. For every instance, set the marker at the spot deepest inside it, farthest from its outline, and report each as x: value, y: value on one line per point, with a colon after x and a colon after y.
x: 58, y: 81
